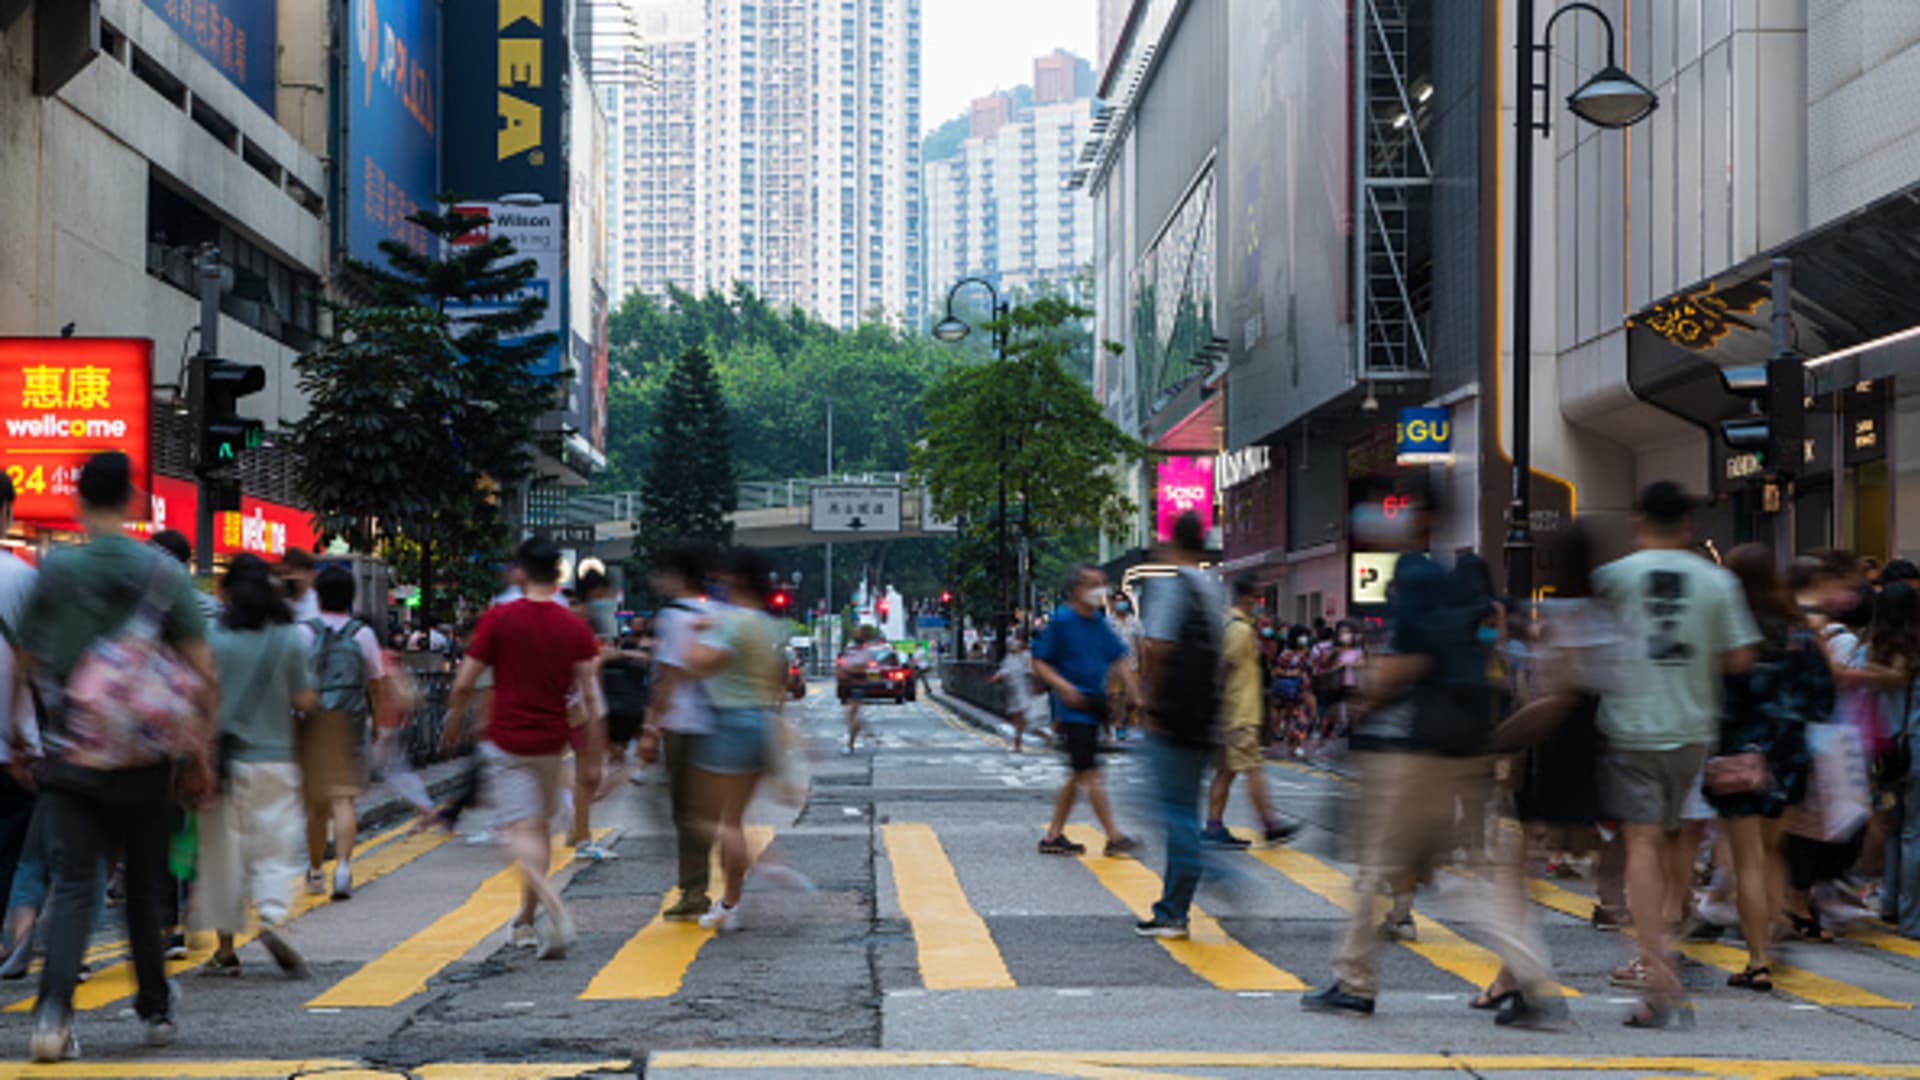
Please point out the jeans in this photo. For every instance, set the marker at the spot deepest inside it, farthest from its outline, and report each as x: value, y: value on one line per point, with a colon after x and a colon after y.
x: 82, y: 827
x: 16, y: 811
x: 1177, y: 772
x: 692, y: 837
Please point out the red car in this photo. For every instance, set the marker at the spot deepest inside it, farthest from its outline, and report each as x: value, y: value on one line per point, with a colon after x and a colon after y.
x: 890, y: 675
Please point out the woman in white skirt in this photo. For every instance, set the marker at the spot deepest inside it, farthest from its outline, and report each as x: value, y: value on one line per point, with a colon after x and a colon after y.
x: 250, y: 838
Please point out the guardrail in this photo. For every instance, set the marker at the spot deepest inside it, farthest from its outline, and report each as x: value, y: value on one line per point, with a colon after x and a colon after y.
x: 969, y: 680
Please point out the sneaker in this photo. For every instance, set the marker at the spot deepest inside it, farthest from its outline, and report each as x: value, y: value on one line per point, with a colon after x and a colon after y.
x: 521, y: 935
x: 219, y: 967
x: 1123, y: 847
x: 1531, y: 1013
x: 689, y: 908
x: 1401, y: 929
x: 1334, y: 999
x: 1280, y: 834
x: 52, y: 1042
x: 1157, y: 927
x: 284, y: 954
x: 720, y: 918
x: 1606, y: 918
x: 316, y: 882
x: 485, y: 837
x: 85, y: 972
x: 161, y: 1030
x: 1060, y: 845
x: 1221, y: 838
x: 343, y: 880
x: 18, y: 960
x: 588, y: 851
x: 176, y: 948
x: 550, y: 937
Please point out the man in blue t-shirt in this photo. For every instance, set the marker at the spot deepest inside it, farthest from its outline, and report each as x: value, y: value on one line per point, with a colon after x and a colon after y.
x: 1074, y: 656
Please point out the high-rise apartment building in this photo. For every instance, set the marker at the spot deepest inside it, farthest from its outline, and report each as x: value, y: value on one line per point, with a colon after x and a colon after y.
x: 998, y: 207
x: 808, y: 129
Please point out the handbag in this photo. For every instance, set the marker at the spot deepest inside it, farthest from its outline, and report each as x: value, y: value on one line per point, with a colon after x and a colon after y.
x: 130, y: 700
x: 1744, y: 773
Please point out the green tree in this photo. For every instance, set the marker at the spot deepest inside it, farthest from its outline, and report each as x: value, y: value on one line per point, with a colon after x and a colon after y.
x: 415, y: 415
x: 1032, y: 421
x: 689, y: 487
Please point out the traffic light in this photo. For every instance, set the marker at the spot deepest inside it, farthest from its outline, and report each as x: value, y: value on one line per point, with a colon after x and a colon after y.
x: 782, y: 601
x: 946, y: 597
x: 224, y: 433
x: 1774, y: 425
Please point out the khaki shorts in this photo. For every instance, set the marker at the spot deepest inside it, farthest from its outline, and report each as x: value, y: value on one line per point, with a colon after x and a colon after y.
x: 525, y: 788
x: 1239, y: 749
x: 332, y: 765
x: 1650, y: 787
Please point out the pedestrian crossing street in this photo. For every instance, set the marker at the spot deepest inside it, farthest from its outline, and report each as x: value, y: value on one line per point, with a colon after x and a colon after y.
x: 960, y: 944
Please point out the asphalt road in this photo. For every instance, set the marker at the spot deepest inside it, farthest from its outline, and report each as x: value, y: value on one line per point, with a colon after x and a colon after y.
x: 936, y: 943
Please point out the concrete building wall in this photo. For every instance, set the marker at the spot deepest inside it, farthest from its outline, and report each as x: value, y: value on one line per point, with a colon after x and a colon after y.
x: 1863, y: 133
x: 74, y: 190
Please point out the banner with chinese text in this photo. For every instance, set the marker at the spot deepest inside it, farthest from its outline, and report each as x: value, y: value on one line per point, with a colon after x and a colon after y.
x: 63, y: 400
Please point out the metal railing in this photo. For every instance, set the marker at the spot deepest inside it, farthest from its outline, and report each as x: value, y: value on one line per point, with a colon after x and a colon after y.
x: 970, y: 681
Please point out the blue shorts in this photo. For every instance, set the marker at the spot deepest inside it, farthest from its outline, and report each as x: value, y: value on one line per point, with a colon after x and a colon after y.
x: 737, y: 745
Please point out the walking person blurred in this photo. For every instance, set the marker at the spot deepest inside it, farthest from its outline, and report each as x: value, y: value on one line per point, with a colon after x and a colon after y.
x: 1181, y: 664
x: 347, y: 676
x: 1016, y: 673
x: 679, y: 717
x: 1240, y: 717
x: 738, y: 657
x: 1073, y: 657
x: 1687, y: 628
x: 593, y: 605
x: 1124, y: 709
x: 249, y: 834
x: 539, y: 653
x: 107, y: 619
x: 19, y: 726
x: 858, y: 661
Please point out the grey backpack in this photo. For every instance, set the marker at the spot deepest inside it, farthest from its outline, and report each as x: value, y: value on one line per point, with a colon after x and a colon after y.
x: 339, y: 670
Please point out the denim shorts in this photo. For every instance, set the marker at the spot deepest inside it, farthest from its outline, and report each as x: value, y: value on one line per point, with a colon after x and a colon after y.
x: 737, y: 744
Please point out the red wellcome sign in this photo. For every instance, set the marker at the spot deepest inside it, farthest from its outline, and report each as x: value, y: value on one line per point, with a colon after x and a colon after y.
x: 63, y: 400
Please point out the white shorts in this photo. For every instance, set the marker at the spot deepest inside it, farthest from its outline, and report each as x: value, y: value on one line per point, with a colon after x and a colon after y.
x: 525, y: 788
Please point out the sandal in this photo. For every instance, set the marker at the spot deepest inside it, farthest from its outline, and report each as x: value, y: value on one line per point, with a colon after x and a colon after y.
x: 1758, y: 979
x: 1490, y: 1000
x: 218, y: 966
x: 1808, y: 928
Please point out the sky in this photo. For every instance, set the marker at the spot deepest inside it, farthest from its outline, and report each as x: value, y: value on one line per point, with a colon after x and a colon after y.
x: 970, y: 48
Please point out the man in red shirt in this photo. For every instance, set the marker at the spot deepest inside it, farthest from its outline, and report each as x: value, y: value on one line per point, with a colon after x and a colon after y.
x: 540, y: 653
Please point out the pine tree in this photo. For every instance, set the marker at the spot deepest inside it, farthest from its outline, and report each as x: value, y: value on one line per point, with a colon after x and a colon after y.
x: 411, y: 414
x: 688, y: 490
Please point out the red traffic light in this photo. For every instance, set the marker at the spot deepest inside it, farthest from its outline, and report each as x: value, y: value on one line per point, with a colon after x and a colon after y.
x: 781, y: 600
x: 946, y: 597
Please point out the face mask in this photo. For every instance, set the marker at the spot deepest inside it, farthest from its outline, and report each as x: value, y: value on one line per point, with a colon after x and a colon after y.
x: 1097, y: 596
x: 1266, y: 632
x: 1488, y: 635
x: 1124, y: 609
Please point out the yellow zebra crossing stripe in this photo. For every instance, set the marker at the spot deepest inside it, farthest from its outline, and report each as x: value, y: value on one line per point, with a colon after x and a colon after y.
x: 1801, y: 983
x: 403, y: 971
x: 1208, y: 952
x: 1437, y: 944
x: 654, y: 962
x: 956, y: 950
x: 379, y: 856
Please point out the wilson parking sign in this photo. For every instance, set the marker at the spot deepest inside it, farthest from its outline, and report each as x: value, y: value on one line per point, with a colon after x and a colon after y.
x: 1424, y: 437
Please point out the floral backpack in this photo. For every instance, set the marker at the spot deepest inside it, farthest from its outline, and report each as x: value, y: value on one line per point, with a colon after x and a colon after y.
x: 130, y: 699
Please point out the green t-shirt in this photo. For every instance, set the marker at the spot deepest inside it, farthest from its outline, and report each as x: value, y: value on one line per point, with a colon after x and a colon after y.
x: 260, y: 671
x: 1681, y: 614
x: 89, y: 591
x: 751, y: 677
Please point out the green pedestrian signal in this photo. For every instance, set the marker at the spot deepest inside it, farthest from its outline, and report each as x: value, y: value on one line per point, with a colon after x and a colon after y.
x: 224, y: 433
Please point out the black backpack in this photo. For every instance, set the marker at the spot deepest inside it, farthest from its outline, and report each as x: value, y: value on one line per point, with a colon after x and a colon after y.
x: 1186, y: 703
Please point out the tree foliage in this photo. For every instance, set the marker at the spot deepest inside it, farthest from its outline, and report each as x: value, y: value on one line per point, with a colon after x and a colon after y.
x: 415, y: 416
x: 1030, y: 419
x: 689, y: 490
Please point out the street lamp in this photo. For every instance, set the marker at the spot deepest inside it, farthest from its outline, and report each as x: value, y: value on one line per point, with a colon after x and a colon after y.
x: 1610, y: 99
x: 950, y: 330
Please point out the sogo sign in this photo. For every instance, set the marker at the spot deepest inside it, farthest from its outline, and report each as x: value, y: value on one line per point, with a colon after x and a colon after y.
x: 1184, y: 484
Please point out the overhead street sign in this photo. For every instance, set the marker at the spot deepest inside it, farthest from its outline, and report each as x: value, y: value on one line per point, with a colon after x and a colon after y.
x: 859, y: 510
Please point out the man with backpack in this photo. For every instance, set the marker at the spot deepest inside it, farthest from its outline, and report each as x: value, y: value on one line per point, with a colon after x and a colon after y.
x: 1181, y: 664
x: 1432, y: 711
x: 347, y: 673
x: 114, y: 639
x: 678, y: 717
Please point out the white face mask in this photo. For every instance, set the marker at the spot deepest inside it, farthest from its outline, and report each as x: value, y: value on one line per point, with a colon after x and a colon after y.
x: 1097, y: 596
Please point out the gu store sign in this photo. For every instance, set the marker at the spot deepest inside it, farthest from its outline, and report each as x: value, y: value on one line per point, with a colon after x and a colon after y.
x: 1183, y: 484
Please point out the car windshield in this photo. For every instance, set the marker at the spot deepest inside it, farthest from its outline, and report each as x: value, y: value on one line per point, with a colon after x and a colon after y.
x: 889, y: 659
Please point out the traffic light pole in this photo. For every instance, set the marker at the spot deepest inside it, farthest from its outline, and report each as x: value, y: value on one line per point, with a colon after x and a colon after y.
x: 1787, y: 391
x: 209, y: 272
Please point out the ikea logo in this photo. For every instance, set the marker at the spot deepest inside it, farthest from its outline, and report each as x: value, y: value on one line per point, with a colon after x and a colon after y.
x: 1424, y: 432
x: 522, y: 31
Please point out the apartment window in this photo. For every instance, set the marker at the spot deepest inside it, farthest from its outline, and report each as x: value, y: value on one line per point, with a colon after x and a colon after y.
x: 262, y: 291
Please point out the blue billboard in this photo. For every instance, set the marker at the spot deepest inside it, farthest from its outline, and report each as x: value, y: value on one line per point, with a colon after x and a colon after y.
x: 391, y: 147
x: 241, y: 38
x: 509, y: 75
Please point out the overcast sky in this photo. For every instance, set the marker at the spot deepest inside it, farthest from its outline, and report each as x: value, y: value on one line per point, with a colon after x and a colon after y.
x: 970, y: 48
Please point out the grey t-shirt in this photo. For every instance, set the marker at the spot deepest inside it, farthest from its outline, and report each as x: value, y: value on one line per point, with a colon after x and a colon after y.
x: 1680, y: 615
x: 1166, y: 604
x: 260, y: 671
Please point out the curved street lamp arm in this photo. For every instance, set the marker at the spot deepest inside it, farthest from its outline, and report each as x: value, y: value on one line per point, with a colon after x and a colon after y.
x: 1533, y: 50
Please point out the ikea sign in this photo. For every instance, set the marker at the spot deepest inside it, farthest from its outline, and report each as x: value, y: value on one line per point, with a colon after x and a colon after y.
x: 1424, y: 436
x: 507, y: 69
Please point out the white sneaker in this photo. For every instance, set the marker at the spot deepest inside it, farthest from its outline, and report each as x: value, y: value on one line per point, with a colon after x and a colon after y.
x: 1717, y: 912
x: 343, y: 880
x: 483, y: 838
x: 720, y: 918
x: 552, y: 941
x: 588, y: 851
x: 316, y: 882
x: 53, y: 1042
x: 521, y: 935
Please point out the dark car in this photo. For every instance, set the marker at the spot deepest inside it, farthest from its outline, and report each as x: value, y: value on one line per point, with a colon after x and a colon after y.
x: 890, y: 675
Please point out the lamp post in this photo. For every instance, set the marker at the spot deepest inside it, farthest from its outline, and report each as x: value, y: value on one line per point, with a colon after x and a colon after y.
x: 1610, y: 99
x: 951, y: 330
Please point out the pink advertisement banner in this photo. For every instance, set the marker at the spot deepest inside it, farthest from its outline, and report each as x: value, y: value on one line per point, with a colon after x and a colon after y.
x: 1183, y: 484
